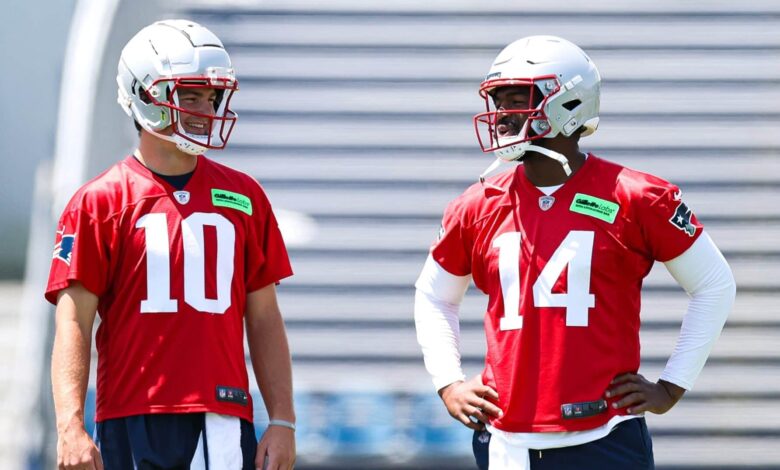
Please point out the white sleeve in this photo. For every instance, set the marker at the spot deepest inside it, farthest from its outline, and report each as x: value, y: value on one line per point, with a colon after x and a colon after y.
x: 436, y: 305
x: 706, y: 276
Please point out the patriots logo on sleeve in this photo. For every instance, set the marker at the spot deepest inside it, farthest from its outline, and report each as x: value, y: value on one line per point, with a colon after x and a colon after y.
x: 64, y: 247
x: 682, y: 219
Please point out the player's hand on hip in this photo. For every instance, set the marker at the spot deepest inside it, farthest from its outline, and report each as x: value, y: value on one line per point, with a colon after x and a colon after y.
x: 639, y: 395
x: 76, y: 451
x: 276, y: 449
x: 471, y: 399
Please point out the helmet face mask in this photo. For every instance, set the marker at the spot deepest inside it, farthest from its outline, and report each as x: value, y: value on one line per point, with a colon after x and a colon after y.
x: 219, y: 124
x: 530, y: 123
x: 564, y: 92
x: 169, y: 57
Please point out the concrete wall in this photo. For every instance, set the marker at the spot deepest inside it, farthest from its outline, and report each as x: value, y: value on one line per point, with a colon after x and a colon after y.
x: 32, y: 51
x: 32, y: 45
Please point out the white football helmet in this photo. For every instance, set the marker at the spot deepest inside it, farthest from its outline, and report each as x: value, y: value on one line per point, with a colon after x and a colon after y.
x: 169, y: 56
x: 564, y: 96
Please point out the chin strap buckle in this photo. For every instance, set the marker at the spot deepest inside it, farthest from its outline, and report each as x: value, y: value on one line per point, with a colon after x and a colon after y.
x: 487, y: 171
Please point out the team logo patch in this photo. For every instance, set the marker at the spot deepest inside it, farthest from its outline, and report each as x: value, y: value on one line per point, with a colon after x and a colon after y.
x: 546, y: 202
x: 682, y: 219
x: 594, y: 207
x: 64, y: 247
x: 182, y: 197
x: 224, y: 198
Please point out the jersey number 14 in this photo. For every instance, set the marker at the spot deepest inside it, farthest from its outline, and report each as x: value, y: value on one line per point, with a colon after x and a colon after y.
x: 576, y: 251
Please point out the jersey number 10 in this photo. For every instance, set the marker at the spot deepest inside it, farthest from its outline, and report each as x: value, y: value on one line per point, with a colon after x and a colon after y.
x: 576, y: 251
x: 158, y: 263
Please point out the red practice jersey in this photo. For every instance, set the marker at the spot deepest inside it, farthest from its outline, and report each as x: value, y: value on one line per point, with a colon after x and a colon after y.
x: 172, y: 270
x: 563, y: 275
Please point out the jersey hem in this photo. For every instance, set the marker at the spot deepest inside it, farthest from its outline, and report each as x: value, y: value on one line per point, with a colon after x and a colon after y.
x: 581, y: 425
x: 174, y: 409
x: 566, y: 439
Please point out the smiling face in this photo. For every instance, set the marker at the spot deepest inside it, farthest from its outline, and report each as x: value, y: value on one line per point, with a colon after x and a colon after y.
x: 201, y: 102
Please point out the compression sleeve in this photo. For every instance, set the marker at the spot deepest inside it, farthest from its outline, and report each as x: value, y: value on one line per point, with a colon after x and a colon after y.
x: 706, y: 276
x: 436, y: 304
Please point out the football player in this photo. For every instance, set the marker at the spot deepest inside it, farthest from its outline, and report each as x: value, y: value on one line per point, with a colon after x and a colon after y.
x: 560, y: 245
x: 177, y: 254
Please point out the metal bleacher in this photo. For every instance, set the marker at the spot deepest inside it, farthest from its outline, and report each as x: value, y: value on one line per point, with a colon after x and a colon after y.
x: 356, y: 119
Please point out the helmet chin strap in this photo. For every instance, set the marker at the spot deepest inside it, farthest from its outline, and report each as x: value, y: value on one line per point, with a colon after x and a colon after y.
x: 522, y: 149
x: 181, y: 143
x: 188, y: 147
x: 554, y: 155
x: 488, y: 170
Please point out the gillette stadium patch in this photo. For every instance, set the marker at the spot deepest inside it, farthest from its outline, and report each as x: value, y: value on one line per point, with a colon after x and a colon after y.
x: 224, y: 198
x: 594, y: 207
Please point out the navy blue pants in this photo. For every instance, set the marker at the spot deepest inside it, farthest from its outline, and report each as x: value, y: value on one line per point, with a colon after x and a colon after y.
x: 628, y: 446
x: 161, y: 441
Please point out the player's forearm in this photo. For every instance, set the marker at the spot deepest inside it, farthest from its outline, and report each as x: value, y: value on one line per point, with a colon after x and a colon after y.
x: 674, y: 391
x: 75, y: 315
x: 271, y: 363
x: 70, y: 374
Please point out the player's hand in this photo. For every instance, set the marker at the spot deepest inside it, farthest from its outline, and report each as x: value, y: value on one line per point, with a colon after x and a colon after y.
x: 639, y: 395
x: 472, y: 399
x: 276, y: 449
x: 76, y: 451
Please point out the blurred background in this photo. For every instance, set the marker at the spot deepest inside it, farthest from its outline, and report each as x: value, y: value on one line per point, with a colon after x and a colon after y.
x: 356, y: 118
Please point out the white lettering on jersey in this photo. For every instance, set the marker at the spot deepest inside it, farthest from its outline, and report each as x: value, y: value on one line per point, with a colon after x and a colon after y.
x: 575, y: 251
x: 158, y: 266
x: 508, y: 245
x: 195, y: 263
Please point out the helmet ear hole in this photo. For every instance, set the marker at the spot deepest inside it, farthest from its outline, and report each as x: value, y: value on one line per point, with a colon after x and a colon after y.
x: 144, y: 96
x: 570, y: 105
x: 138, y: 91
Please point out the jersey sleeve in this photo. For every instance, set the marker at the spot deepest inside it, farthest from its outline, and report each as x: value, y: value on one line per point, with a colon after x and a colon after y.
x: 80, y: 254
x: 267, y: 260
x: 452, y: 248
x: 669, y: 227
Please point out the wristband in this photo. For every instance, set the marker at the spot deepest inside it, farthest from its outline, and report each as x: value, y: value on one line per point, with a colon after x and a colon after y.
x: 282, y: 423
